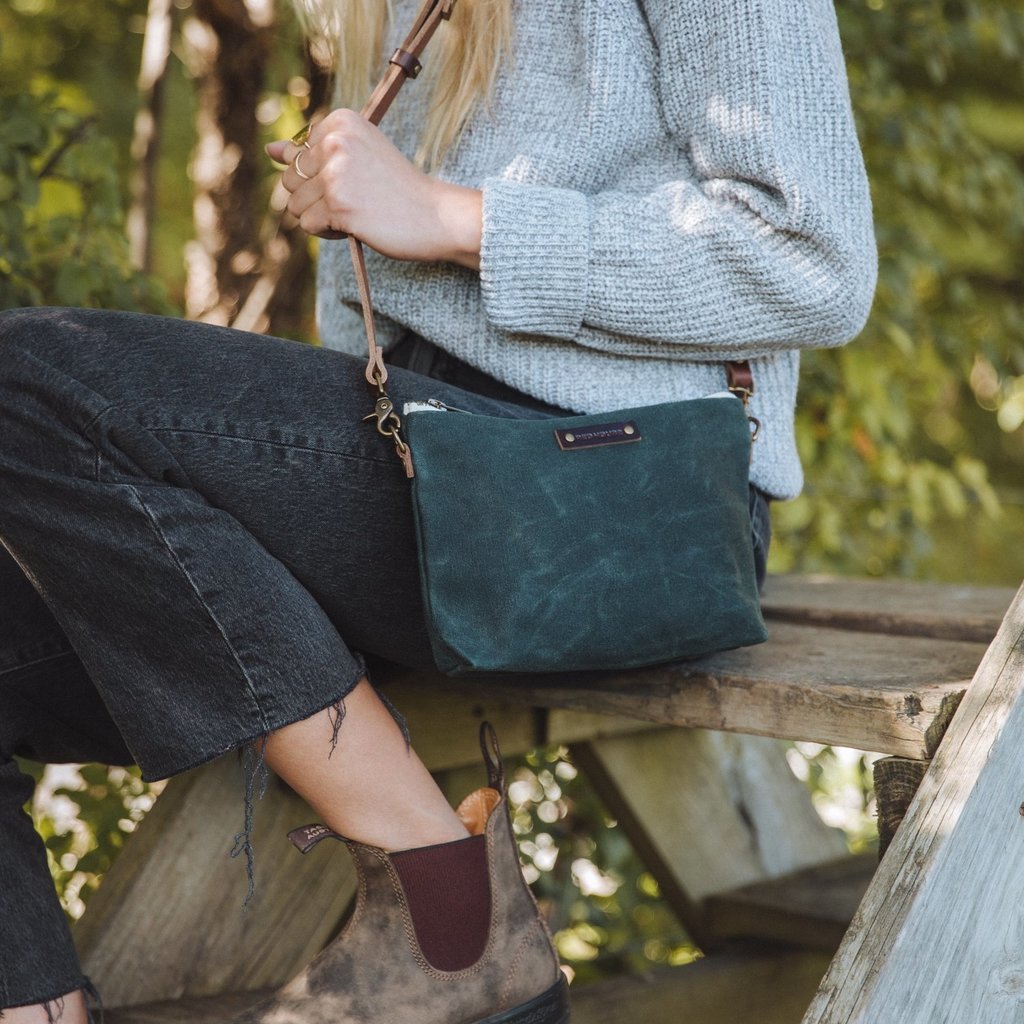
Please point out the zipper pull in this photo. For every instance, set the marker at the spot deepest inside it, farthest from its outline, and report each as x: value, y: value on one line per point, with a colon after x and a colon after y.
x: 436, y: 403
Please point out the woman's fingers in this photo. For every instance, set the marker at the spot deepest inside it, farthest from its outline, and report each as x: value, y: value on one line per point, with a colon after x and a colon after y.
x: 276, y: 151
x: 319, y: 174
x: 350, y: 177
x: 317, y: 219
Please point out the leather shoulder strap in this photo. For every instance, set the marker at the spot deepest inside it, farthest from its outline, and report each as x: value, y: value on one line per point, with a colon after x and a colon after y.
x: 404, y: 63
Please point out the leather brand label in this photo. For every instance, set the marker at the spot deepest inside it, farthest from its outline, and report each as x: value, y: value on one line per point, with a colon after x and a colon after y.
x: 599, y: 435
x: 306, y: 837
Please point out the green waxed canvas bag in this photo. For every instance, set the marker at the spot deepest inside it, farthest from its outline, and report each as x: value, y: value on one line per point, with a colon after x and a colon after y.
x: 629, y: 545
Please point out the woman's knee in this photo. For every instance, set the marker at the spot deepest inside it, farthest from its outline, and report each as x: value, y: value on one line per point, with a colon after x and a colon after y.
x: 40, y: 352
x: 38, y: 326
x: 29, y: 339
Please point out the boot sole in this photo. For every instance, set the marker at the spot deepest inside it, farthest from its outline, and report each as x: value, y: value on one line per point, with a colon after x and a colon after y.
x: 551, y: 1007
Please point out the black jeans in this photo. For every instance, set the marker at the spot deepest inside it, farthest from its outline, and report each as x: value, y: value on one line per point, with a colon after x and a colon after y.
x: 211, y: 534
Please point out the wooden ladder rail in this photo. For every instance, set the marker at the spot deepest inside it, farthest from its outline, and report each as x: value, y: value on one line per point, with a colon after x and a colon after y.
x: 939, y: 936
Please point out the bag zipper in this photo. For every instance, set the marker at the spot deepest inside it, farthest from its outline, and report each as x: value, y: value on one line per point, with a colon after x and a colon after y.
x: 436, y: 403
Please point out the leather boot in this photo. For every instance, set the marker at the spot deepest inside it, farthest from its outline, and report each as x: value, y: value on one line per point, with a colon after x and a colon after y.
x: 421, y: 950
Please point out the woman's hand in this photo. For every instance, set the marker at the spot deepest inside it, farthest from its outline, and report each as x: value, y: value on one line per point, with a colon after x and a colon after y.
x: 357, y: 182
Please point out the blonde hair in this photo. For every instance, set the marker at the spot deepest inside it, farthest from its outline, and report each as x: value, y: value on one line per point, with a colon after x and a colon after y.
x: 460, y: 62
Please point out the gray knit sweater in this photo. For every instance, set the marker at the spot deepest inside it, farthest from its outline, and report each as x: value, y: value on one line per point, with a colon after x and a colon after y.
x: 667, y: 184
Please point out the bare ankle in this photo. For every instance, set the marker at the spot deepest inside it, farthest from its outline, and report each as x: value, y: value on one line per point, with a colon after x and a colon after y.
x: 68, y: 1009
x: 364, y: 779
x: 414, y: 832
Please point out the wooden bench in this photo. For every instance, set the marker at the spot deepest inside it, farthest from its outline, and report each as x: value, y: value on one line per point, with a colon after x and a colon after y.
x: 713, y: 810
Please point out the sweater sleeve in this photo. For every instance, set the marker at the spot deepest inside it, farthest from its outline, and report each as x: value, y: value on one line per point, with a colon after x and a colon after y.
x: 764, y: 240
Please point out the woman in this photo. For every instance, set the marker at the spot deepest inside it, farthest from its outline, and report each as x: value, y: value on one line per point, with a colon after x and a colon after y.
x: 650, y: 189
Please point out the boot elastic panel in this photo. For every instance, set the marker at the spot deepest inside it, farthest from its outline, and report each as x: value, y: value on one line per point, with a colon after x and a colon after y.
x: 448, y: 892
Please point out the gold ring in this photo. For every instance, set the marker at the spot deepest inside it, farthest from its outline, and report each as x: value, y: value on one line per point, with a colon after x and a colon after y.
x: 298, y: 169
x: 302, y: 135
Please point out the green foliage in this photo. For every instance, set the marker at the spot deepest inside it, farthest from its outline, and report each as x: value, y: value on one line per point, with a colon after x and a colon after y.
x: 900, y: 432
x: 89, y: 50
x: 841, y: 784
x: 84, y: 815
x: 605, y: 909
x: 62, y: 236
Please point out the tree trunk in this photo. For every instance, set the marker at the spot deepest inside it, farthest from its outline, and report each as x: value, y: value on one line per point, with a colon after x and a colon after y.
x: 229, y: 42
x: 279, y: 301
x: 156, y: 50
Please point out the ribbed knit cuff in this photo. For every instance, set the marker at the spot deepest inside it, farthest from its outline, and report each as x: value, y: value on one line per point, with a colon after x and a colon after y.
x: 534, y: 256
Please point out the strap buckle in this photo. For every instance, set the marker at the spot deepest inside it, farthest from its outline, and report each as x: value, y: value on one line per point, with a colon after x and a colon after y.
x: 406, y: 61
x: 741, y: 384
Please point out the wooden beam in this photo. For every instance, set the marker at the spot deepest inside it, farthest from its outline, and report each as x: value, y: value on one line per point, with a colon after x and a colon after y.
x: 890, y: 694
x: 444, y: 722
x: 896, y: 783
x: 707, y: 812
x: 766, y: 987
x: 811, y: 908
x: 901, y: 607
x: 938, y: 935
x: 168, y: 919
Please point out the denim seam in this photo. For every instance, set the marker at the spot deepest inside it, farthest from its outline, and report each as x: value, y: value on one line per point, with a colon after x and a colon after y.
x: 268, y: 443
x: 88, y: 425
x: 199, y: 597
x: 97, y: 465
x: 36, y: 661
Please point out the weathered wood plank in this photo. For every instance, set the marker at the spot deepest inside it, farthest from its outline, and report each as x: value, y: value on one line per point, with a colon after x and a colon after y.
x: 896, y: 783
x: 444, y: 722
x: 902, y: 607
x: 566, y: 726
x: 889, y: 694
x: 939, y: 936
x: 190, y: 1010
x: 811, y: 908
x: 168, y: 919
x: 766, y: 987
x: 707, y: 812
x: 770, y: 987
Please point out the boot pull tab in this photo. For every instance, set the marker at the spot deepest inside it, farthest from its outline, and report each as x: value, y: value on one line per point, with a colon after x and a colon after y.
x: 306, y: 837
x: 492, y: 757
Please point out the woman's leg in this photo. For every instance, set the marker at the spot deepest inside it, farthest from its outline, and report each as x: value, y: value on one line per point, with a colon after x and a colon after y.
x: 37, y: 960
x: 203, y: 512
x: 66, y: 1009
x: 49, y: 711
x: 205, y: 515
x: 372, y: 788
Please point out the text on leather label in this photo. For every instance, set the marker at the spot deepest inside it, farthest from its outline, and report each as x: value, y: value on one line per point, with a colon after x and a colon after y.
x: 600, y: 434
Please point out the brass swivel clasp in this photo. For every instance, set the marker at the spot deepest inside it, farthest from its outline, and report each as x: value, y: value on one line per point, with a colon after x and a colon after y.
x: 389, y: 424
x: 385, y: 418
x: 744, y: 394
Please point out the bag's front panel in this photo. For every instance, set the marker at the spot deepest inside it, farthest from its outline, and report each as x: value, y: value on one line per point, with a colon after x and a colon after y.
x: 539, y: 559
